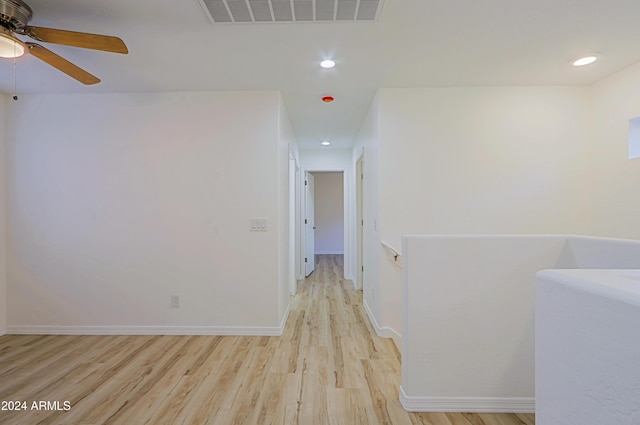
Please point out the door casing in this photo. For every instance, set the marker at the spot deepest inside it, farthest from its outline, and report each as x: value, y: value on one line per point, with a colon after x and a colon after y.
x: 309, y: 225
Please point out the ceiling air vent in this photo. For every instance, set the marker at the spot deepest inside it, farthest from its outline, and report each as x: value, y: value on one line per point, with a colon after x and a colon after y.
x: 256, y: 11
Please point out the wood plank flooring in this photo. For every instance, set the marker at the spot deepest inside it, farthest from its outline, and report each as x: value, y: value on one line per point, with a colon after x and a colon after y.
x: 328, y: 368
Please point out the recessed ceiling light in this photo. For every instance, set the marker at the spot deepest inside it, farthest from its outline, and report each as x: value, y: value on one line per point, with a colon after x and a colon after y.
x: 327, y: 63
x: 325, y: 143
x: 585, y: 61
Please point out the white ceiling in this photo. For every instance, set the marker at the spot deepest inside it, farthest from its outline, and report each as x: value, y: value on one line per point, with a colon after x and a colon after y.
x: 416, y: 43
x: 292, y: 10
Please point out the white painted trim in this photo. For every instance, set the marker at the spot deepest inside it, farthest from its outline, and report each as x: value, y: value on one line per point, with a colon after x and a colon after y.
x: 348, y: 220
x: 330, y: 252
x: 283, y: 322
x: 293, y: 220
x: 467, y: 404
x: 382, y: 331
x: 150, y: 330
x: 3, y: 331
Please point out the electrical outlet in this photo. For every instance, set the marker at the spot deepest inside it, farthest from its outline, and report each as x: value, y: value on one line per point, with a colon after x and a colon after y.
x: 175, y: 301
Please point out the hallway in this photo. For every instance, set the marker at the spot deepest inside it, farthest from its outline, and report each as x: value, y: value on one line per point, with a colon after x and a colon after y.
x: 327, y: 368
x: 349, y: 375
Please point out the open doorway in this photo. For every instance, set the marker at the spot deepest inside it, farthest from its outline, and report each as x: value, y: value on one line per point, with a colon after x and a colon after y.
x: 324, y: 216
x: 329, y: 213
x: 338, y: 232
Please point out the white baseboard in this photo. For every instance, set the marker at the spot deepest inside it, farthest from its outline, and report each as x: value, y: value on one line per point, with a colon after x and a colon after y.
x: 383, y: 331
x: 283, y: 322
x: 353, y: 281
x: 468, y: 404
x: 151, y: 330
x: 3, y: 331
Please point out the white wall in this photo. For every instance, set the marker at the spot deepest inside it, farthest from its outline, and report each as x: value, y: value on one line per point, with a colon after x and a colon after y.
x: 296, y: 266
x: 286, y: 147
x: 614, y: 177
x: 587, y: 347
x: 329, y: 212
x: 118, y: 201
x: 3, y: 237
x: 477, y: 160
x: 367, y: 147
x: 484, y: 160
x: 325, y: 159
x: 468, y: 335
x: 585, y: 252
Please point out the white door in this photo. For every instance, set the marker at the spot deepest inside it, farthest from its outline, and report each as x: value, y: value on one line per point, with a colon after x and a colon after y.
x: 309, y: 226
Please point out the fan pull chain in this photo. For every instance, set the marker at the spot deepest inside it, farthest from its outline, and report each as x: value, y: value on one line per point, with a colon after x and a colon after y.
x: 15, y: 84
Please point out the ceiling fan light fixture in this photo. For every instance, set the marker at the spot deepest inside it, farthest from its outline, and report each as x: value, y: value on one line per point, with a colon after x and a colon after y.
x: 10, y: 47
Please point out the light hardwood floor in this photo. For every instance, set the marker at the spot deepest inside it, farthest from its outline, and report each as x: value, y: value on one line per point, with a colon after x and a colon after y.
x: 327, y: 368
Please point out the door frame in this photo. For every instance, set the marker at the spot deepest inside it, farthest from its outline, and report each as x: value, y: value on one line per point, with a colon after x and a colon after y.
x: 349, y: 221
x: 294, y: 219
x: 359, y: 224
x: 309, y: 223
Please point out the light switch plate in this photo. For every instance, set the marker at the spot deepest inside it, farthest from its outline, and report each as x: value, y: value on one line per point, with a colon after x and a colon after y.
x: 258, y: 224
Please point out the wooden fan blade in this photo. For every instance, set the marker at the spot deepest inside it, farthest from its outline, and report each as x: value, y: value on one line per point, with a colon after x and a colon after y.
x: 62, y: 64
x: 85, y: 40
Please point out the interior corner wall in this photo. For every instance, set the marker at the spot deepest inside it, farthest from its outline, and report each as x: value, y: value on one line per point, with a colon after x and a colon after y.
x: 3, y: 209
x: 614, y: 178
x: 116, y: 202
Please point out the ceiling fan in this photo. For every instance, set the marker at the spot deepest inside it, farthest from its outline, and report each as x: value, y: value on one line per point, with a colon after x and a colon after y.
x: 14, y: 16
